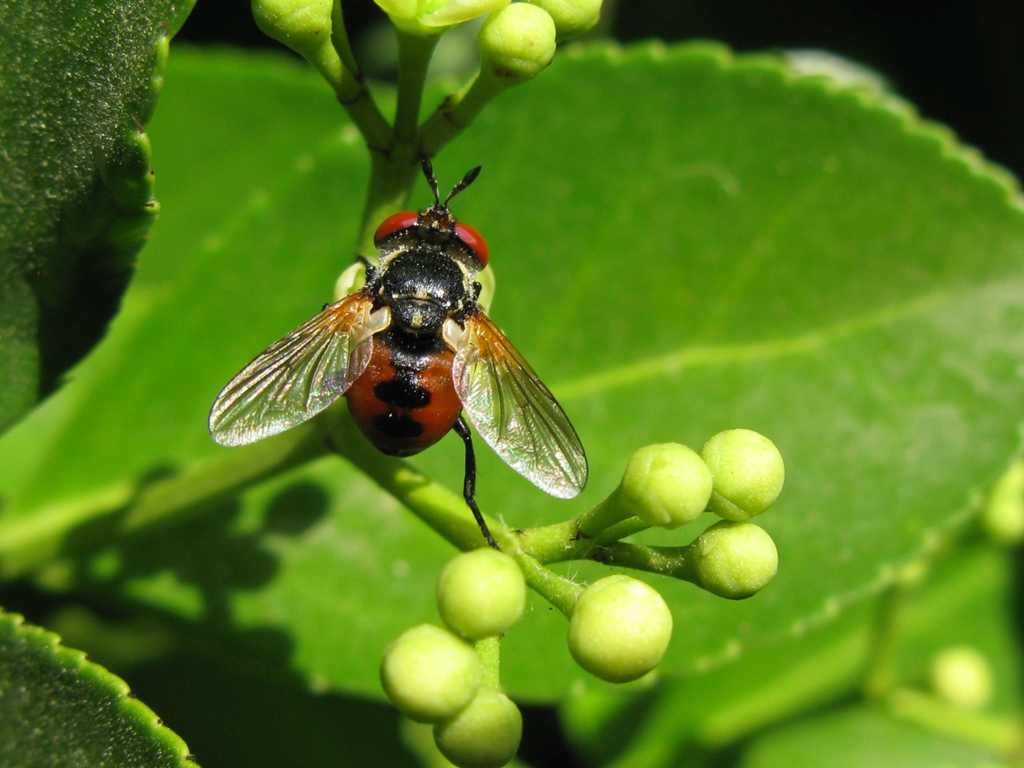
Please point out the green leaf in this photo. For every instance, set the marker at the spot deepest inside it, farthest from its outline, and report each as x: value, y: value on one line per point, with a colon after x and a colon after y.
x: 862, y: 737
x: 81, y: 79
x: 684, y: 242
x: 58, y: 709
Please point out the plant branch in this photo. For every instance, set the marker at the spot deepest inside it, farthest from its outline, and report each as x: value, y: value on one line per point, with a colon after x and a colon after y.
x: 1001, y: 734
x: 414, y: 53
x: 458, y: 111
x: 557, y: 590
x: 489, y: 651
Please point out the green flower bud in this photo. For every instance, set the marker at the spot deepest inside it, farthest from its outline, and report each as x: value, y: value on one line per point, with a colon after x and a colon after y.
x: 1003, y: 518
x: 734, y: 560
x: 350, y: 281
x: 302, y: 25
x: 620, y: 629
x: 748, y: 473
x: 961, y: 676
x: 571, y: 17
x: 481, y: 593
x: 485, y: 734
x: 517, y: 42
x: 429, y: 674
x: 431, y: 17
x: 666, y: 485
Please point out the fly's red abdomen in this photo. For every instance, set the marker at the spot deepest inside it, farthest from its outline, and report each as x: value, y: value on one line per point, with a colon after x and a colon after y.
x: 405, y: 401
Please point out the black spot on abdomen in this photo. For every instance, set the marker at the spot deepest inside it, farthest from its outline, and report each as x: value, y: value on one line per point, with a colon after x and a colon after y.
x: 402, y: 391
x: 397, y: 425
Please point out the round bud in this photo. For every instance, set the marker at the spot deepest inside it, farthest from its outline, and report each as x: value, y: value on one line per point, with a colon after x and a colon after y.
x: 1003, y: 516
x: 734, y: 560
x: 748, y: 473
x: 620, y: 629
x: 302, y: 25
x: 481, y: 593
x: 571, y: 17
x: 666, y: 485
x: 350, y: 280
x: 962, y: 677
x: 485, y: 734
x: 517, y: 42
x: 429, y: 674
x: 431, y: 17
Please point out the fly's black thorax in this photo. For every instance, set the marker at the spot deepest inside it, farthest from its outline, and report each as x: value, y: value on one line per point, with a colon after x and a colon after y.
x: 423, y: 286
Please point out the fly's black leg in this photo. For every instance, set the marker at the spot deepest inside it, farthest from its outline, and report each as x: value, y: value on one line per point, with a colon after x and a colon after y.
x: 469, y: 486
x: 371, y: 271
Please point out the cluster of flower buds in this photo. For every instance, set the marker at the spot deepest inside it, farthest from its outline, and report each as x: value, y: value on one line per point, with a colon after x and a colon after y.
x: 517, y: 40
x: 436, y: 675
x: 619, y: 627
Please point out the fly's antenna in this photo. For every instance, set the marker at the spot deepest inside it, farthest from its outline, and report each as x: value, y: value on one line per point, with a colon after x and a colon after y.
x: 428, y: 171
x: 468, y: 179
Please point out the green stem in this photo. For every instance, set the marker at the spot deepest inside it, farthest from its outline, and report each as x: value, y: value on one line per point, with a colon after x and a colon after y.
x: 602, y: 515
x: 552, y: 543
x: 340, y: 41
x: 338, y: 66
x: 667, y: 561
x: 358, y: 102
x: 414, y: 53
x: 557, y: 590
x: 458, y: 111
x: 878, y: 678
x: 622, y: 530
x: 489, y: 651
x: 1001, y: 734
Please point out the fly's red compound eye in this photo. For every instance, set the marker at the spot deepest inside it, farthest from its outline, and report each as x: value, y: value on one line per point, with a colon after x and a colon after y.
x: 474, y: 240
x: 395, y: 223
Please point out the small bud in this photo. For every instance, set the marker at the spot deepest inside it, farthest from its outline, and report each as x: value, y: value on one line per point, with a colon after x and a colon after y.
x: 620, y: 629
x: 571, y: 17
x: 517, y: 42
x: 431, y: 17
x: 734, y: 560
x: 481, y: 593
x: 429, y: 674
x: 350, y: 281
x: 666, y: 485
x: 748, y: 473
x: 1003, y: 517
x: 302, y: 25
x: 961, y: 676
x: 486, y: 734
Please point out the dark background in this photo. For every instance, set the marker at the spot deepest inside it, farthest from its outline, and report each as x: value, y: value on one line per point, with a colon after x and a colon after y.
x: 959, y: 62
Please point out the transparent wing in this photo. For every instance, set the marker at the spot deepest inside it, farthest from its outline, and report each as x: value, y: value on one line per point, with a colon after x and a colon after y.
x: 512, y: 409
x: 300, y: 375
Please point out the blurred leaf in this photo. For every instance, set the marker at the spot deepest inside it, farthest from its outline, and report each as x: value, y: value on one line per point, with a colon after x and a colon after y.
x: 862, y: 737
x: 963, y: 603
x: 80, y: 80
x: 684, y: 242
x: 58, y: 709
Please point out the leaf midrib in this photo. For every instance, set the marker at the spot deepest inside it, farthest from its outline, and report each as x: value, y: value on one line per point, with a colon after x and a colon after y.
x: 725, y: 354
